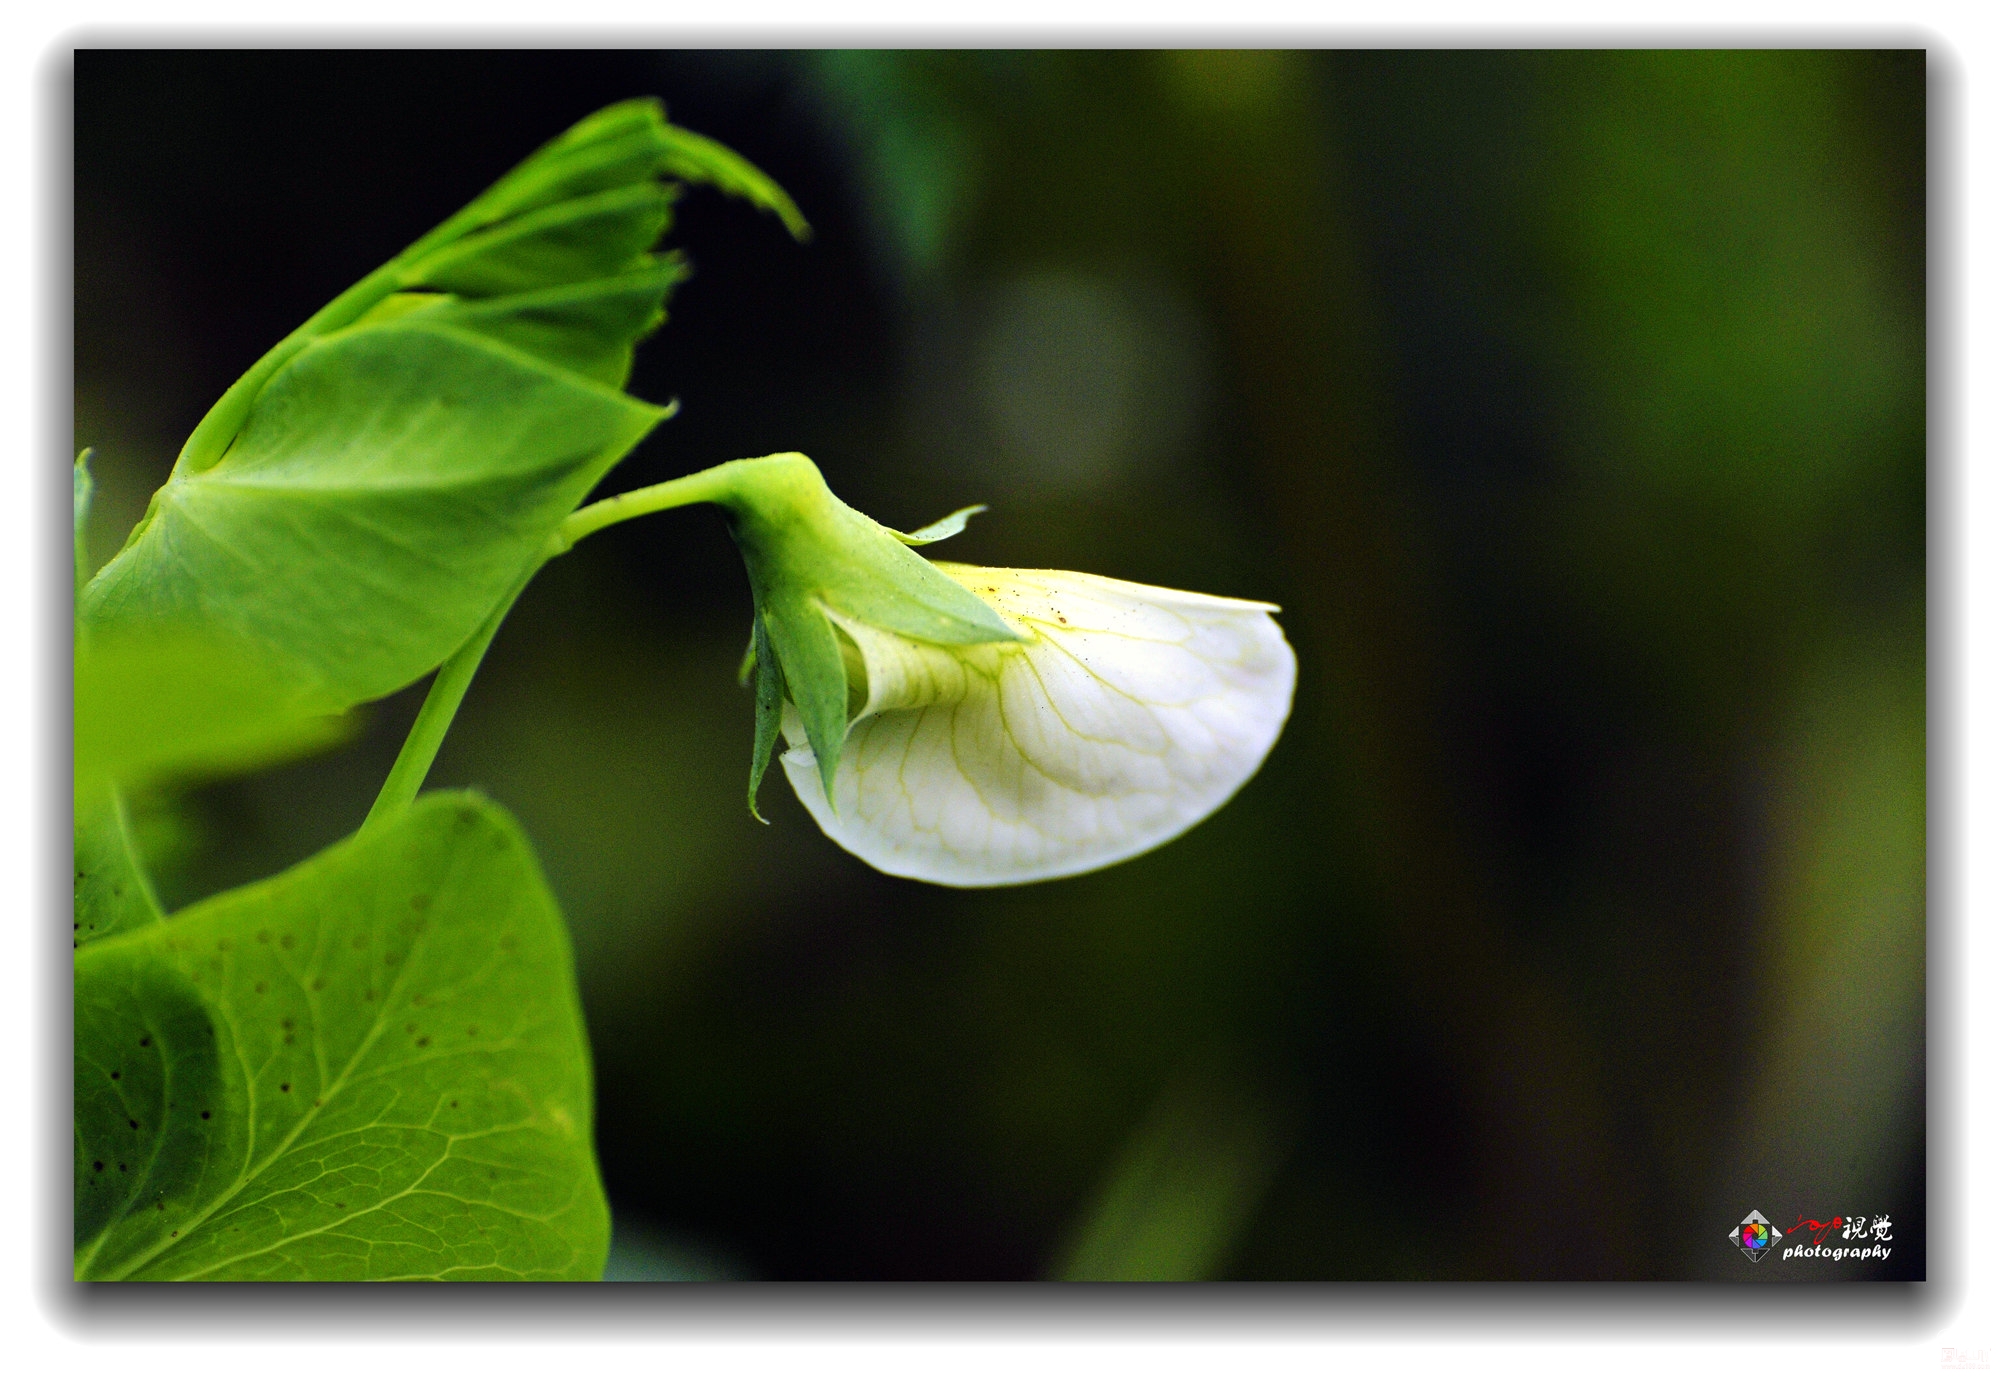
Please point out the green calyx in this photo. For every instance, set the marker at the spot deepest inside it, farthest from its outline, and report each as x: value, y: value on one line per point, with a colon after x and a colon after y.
x: 813, y: 560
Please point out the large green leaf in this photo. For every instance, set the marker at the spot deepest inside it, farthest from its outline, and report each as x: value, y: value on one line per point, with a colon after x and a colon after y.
x: 393, y: 483
x: 370, y: 1067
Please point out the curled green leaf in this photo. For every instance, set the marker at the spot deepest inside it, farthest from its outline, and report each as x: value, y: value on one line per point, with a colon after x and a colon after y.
x: 357, y: 504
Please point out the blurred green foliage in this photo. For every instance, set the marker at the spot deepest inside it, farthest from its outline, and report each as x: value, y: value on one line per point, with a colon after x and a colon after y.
x: 1571, y: 404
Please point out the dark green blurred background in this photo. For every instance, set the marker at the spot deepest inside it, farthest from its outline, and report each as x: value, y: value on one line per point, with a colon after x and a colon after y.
x: 1572, y: 405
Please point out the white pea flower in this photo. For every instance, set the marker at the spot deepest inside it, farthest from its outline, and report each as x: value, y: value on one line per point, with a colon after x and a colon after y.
x: 1125, y: 715
x: 971, y: 726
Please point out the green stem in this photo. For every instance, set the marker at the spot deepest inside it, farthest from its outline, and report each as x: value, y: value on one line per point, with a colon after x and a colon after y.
x: 448, y: 688
x: 708, y: 486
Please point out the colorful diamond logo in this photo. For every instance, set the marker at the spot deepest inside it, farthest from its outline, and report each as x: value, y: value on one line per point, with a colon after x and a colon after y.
x: 1754, y: 1236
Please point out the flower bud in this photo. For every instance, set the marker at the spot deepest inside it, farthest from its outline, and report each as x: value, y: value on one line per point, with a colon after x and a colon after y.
x: 972, y: 726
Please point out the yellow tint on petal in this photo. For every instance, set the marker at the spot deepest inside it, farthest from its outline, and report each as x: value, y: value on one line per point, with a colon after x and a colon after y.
x: 1127, y: 714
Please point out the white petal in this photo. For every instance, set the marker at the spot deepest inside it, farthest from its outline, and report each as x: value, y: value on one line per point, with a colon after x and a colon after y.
x: 1129, y: 714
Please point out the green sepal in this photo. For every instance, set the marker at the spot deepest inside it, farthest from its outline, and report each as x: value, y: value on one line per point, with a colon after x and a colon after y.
x: 807, y: 659
x: 770, y: 706
x: 939, y: 530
